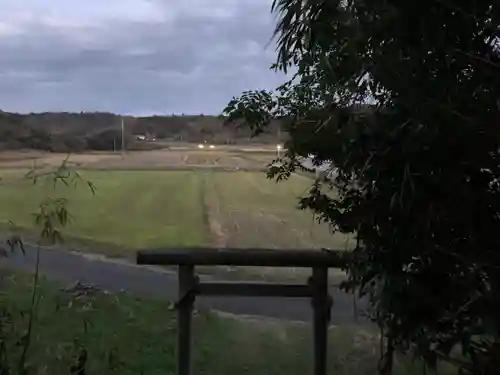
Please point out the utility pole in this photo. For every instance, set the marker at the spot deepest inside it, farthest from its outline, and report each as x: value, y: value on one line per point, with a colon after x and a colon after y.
x: 278, y: 147
x: 123, y: 139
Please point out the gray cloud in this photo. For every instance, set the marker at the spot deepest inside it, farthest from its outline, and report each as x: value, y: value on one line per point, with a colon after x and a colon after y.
x: 145, y: 56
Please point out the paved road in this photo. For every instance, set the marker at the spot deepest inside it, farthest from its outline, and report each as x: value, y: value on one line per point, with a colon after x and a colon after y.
x: 147, y: 281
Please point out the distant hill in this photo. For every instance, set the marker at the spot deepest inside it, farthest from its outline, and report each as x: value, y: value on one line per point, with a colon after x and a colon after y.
x: 64, y: 131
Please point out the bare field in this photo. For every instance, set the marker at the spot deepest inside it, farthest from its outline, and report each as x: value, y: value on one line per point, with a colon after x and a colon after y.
x: 157, y: 159
x: 37, y: 159
x: 259, y: 157
x: 10, y: 156
x: 175, y: 159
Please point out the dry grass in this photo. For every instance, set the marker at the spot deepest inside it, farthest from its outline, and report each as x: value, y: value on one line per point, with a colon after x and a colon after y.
x: 218, y: 158
x: 156, y: 159
x: 9, y: 156
x: 41, y: 160
x: 261, y: 157
x: 142, y: 159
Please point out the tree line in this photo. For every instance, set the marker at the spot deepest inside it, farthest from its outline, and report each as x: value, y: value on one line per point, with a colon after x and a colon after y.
x: 64, y: 132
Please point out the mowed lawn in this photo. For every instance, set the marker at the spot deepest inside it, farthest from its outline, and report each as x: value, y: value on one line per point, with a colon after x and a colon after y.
x: 139, y: 209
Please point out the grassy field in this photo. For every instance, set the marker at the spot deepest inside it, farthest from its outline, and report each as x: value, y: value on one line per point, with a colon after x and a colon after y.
x: 157, y: 159
x: 127, y: 335
x: 143, y: 201
x: 129, y: 209
x: 257, y: 212
x: 137, y: 209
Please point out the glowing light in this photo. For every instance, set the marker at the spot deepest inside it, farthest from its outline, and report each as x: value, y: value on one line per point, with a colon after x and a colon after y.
x: 200, y: 146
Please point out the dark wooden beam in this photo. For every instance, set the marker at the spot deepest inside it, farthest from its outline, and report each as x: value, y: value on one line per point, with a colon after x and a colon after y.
x: 187, y: 281
x: 244, y: 257
x: 321, y: 304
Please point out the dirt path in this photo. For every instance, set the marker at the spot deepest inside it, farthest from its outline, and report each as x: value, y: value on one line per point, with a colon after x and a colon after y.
x: 147, y: 281
x: 210, y: 212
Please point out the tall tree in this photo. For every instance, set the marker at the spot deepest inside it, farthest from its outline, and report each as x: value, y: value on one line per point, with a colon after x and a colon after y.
x: 402, y: 97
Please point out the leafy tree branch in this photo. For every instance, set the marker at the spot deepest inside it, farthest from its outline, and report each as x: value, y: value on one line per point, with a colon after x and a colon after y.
x: 402, y: 99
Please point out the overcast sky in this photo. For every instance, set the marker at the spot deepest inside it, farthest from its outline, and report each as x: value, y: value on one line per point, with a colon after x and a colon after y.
x: 133, y: 56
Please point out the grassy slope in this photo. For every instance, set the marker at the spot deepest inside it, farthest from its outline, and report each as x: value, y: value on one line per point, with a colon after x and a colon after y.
x: 127, y: 335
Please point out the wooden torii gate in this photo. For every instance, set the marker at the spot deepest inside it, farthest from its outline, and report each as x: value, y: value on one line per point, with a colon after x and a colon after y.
x: 189, y: 286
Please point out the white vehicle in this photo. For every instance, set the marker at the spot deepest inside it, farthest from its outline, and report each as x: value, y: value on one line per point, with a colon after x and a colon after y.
x: 204, y: 144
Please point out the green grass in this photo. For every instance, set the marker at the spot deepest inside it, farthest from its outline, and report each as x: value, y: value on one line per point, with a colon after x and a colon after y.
x: 256, y: 210
x: 128, y: 335
x: 138, y: 209
x: 129, y: 210
x: 152, y: 209
x: 124, y: 334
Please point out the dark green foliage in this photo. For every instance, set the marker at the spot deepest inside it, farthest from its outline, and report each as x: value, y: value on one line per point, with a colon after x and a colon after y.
x: 75, y: 132
x: 110, y: 139
x: 417, y: 169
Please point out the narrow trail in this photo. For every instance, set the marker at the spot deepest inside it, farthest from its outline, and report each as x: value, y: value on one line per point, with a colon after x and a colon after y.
x: 209, y: 205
